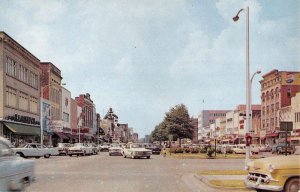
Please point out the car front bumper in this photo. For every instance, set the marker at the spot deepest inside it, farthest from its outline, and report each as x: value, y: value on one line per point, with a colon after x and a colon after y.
x: 262, y: 186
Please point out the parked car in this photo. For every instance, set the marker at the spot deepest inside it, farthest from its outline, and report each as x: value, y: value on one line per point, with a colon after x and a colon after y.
x: 156, y: 149
x: 265, y: 148
x: 104, y: 147
x: 288, y: 149
x: 93, y: 147
x: 280, y: 173
x: 80, y: 149
x: 35, y: 150
x: 63, y: 148
x: 115, y: 149
x: 279, y: 146
x: 15, y: 171
x: 136, y: 150
x: 239, y: 149
x: 254, y: 149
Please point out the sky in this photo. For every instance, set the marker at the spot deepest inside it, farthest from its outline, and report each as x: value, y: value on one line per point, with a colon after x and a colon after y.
x: 143, y: 57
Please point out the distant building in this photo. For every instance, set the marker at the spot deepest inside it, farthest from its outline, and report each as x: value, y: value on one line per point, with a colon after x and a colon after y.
x: 277, y: 89
x: 195, y: 130
x: 205, y: 118
x: 135, y: 137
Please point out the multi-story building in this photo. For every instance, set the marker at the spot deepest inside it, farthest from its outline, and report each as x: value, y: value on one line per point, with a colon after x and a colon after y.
x: 135, y: 137
x: 291, y: 114
x: 19, y: 92
x: 66, y: 111
x: 75, y: 120
x: 112, y: 121
x: 277, y: 89
x: 205, y: 118
x: 51, y: 92
x: 195, y: 130
x: 87, y: 116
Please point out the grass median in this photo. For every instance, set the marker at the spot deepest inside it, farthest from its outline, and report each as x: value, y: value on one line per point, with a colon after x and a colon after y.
x: 226, y: 183
x: 204, y: 156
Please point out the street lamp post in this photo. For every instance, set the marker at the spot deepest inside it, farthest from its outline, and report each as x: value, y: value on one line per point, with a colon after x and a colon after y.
x: 236, y: 18
x: 251, y: 117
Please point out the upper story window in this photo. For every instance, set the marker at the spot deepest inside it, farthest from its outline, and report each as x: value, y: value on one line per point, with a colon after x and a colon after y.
x: 289, y: 92
x: 11, y: 67
x: 23, y: 75
x: 11, y: 97
x: 23, y: 101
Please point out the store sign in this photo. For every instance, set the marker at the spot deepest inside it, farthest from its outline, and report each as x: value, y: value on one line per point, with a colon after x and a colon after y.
x: 56, y: 125
x: 23, y: 119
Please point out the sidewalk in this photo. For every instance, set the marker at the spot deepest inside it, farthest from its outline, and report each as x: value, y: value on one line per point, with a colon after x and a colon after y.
x: 207, y: 178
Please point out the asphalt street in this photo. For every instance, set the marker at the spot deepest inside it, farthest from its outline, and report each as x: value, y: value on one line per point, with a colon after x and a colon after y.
x: 115, y: 173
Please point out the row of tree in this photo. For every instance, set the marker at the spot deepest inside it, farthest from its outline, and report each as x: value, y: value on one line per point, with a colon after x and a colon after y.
x: 176, y: 125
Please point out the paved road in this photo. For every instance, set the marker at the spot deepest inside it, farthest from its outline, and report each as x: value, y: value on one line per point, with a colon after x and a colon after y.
x: 106, y: 173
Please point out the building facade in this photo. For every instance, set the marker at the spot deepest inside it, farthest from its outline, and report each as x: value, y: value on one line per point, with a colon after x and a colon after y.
x: 195, y: 130
x: 19, y: 92
x: 277, y: 89
x: 205, y: 118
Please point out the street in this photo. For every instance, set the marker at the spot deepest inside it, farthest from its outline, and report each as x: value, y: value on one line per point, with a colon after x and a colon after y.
x: 115, y: 173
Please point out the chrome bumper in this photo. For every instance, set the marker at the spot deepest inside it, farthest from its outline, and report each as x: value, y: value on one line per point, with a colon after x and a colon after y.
x: 259, y: 185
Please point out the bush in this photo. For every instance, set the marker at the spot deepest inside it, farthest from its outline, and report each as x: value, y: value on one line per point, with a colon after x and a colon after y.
x: 187, y: 150
x: 179, y: 150
x: 195, y: 150
x: 203, y: 150
x: 210, y: 152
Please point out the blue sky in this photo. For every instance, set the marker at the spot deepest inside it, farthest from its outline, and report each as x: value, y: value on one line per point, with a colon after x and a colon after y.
x: 143, y: 57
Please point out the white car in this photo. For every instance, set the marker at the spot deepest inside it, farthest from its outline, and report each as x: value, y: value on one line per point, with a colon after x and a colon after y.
x: 136, y: 150
x: 80, y: 149
x: 239, y: 149
x: 15, y: 171
x: 35, y: 150
x: 115, y: 149
x: 254, y: 149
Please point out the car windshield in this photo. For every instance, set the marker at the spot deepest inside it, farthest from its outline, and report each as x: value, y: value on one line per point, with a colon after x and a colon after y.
x: 78, y: 145
x: 137, y: 146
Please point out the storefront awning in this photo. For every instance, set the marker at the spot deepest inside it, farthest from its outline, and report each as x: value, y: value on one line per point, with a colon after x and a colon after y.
x: 271, y: 135
x: 21, y: 129
x: 61, y: 135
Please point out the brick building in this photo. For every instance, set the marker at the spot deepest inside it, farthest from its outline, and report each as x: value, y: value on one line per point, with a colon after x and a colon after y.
x: 195, y: 130
x: 277, y: 89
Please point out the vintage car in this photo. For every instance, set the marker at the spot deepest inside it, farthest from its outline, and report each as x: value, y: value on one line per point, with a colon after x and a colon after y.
x: 280, y: 173
x: 239, y: 149
x: 35, y: 150
x: 80, y: 149
x: 63, y: 148
x: 104, y: 147
x: 136, y: 150
x: 154, y: 148
x: 254, y: 149
x: 115, y: 149
x: 15, y: 171
x: 265, y: 148
x: 93, y: 147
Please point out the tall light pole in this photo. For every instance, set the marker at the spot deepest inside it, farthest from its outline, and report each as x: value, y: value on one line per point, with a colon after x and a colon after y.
x: 251, y: 117
x: 41, y: 109
x: 236, y: 18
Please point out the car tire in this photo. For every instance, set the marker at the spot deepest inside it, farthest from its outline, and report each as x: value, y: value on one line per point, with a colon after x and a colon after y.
x: 47, y: 156
x: 124, y: 156
x: 38, y: 157
x: 148, y: 157
x: 20, y: 154
x: 292, y: 185
x: 70, y: 155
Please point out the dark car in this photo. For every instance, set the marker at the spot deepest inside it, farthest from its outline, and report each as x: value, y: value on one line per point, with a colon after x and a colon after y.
x: 156, y: 149
x: 280, y: 148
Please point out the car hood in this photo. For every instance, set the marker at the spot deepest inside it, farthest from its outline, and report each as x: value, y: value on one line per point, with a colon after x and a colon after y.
x: 116, y: 148
x: 279, y: 162
x: 140, y: 149
x: 75, y: 148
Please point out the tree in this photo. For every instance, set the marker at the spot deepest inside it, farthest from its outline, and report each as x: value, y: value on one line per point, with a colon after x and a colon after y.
x: 178, y: 123
x: 160, y: 133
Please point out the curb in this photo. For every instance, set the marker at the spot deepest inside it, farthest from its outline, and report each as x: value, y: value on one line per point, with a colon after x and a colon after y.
x: 206, y: 181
